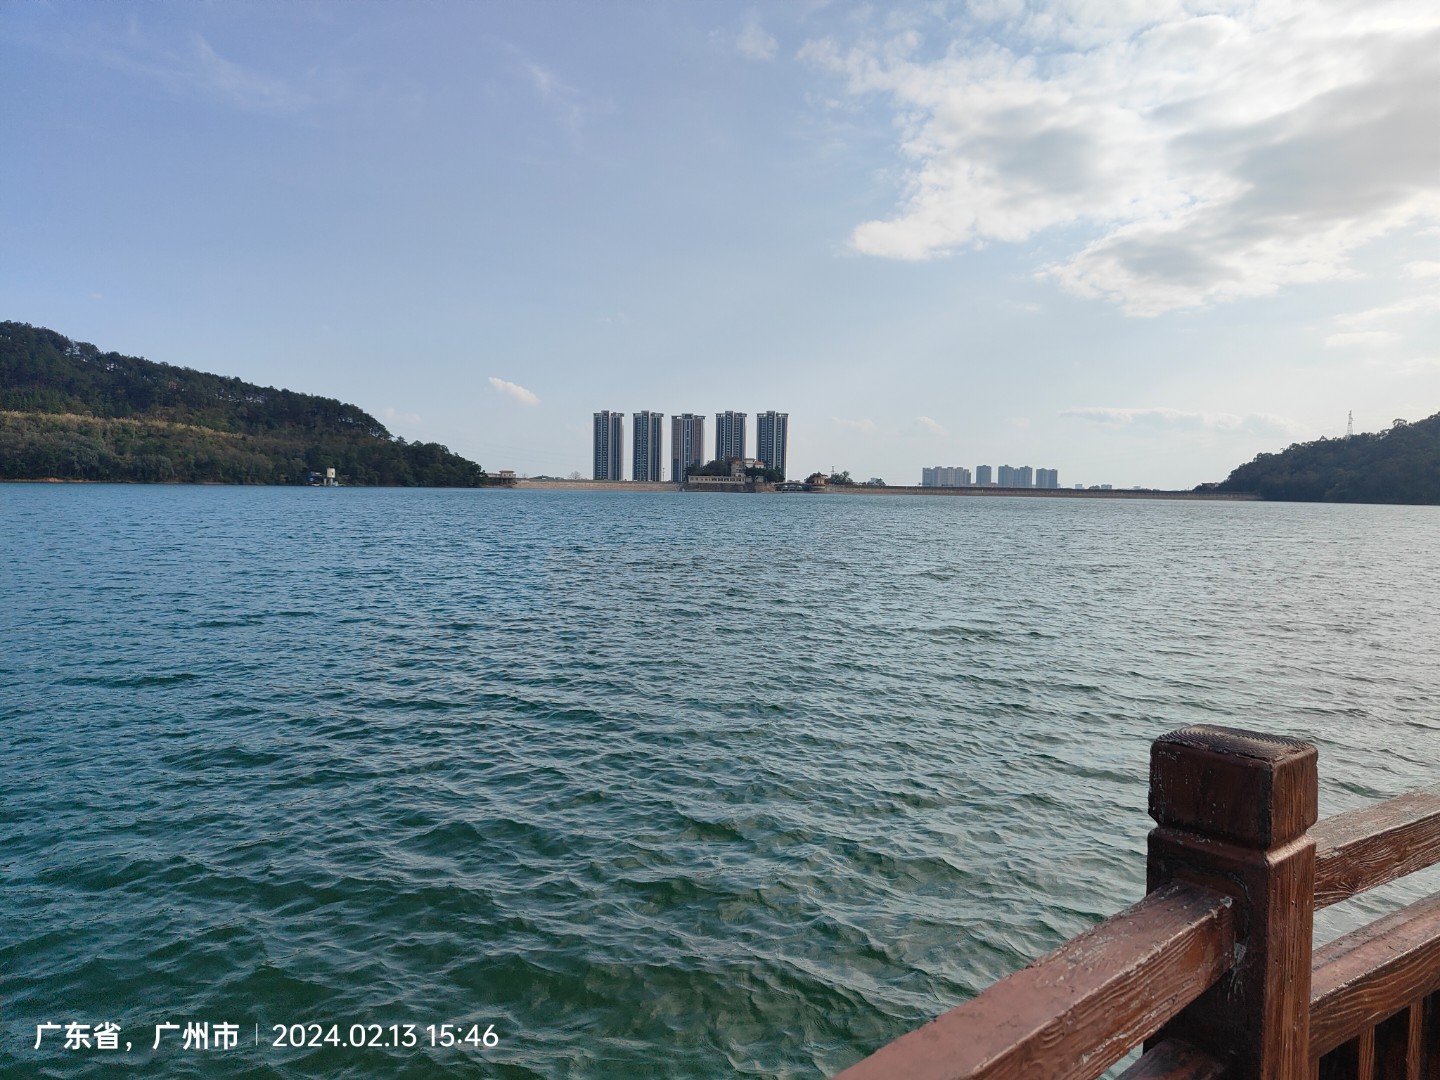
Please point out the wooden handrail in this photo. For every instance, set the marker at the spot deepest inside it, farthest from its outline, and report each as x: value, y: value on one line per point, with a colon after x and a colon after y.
x: 1372, y: 973
x: 1074, y: 1013
x: 1232, y: 811
x: 1215, y: 966
x: 1376, y: 844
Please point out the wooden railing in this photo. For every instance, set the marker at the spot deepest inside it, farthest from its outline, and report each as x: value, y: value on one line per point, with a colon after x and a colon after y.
x: 1213, y: 970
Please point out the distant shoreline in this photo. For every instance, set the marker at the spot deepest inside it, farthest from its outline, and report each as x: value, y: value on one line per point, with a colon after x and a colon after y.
x: 1048, y: 493
x: 861, y: 489
x: 522, y: 484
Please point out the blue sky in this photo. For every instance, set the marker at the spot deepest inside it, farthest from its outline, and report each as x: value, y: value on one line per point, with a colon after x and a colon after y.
x: 1137, y: 242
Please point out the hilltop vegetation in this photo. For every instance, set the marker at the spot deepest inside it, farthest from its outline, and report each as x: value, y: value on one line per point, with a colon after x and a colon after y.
x: 71, y: 412
x: 724, y: 466
x: 1400, y: 465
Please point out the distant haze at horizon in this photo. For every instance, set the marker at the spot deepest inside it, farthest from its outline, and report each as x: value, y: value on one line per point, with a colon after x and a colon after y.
x: 1139, y: 246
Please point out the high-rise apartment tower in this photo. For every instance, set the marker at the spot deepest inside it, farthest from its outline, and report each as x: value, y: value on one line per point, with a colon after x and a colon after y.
x: 647, y: 449
x: 687, y: 444
x: 945, y: 476
x: 772, y: 438
x: 729, y: 435
x: 609, y: 444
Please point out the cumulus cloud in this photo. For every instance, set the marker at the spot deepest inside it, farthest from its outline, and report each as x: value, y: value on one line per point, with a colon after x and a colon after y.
x: 933, y: 425
x: 1159, y: 420
x: 855, y: 425
x: 1203, y: 152
x: 754, y: 43
x: 514, y: 390
x: 393, y: 415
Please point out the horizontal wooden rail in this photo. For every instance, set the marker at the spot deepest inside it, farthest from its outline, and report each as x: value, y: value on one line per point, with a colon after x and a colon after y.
x: 1376, y: 844
x: 1215, y: 966
x: 1373, y: 973
x: 1074, y: 1013
x: 1174, y: 1059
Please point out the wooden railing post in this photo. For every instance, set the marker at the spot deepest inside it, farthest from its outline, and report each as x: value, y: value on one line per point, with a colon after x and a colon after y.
x: 1232, y: 810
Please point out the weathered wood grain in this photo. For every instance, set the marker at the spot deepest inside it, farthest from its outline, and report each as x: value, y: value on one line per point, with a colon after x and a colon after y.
x: 1353, y: 1059
x: 1074, y: 1013
x: 1364, y: 848
x: 1374, y: 972
x: 1246, y: 787
x: 1172, y: 1059
x: 1233, y: 810
x: 1397, y: 1045
x: 1430, y: 1038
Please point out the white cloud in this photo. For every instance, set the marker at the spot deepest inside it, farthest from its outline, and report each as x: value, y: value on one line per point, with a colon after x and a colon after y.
x: 514, y: 390
x: 1412, y: 365
x: 392, y: 415
x: 247, y: 87
x: 563, y: 100
x: 1210, y: 152
x: 754, y: 43
x: 570, y: 106
x: 933, y: 425
x: 1161, y: 420
x: 200, y: 71
x: 1422, y: 270
x: 855, y: 425
x: 561, y: 97
x: 1363, y: 339
x: 1376, y: 327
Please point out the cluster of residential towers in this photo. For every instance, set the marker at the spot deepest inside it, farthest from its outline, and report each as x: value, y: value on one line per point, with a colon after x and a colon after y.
x: 959, y: 476
x: 687, y: 442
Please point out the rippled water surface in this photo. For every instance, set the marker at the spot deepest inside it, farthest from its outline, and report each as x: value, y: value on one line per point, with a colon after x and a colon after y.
x: 656, y: 785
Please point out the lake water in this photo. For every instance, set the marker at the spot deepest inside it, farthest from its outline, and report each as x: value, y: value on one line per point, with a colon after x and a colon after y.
x: 639, y: 784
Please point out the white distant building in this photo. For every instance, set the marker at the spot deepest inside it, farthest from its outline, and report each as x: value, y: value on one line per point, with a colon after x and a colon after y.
x: 945, y: 476
x: 1023, y: 477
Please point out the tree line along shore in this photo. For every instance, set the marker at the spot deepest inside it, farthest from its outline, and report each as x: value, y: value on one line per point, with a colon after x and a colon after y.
x: 70, y: 412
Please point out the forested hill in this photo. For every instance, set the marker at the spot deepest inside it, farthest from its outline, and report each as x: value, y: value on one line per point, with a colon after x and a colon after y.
x: 1401, y: 465
x: 70, y: 412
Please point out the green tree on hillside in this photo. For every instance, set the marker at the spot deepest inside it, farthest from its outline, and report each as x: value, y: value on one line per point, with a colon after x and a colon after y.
x: 71, y: 412
x: 1399, y: 465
